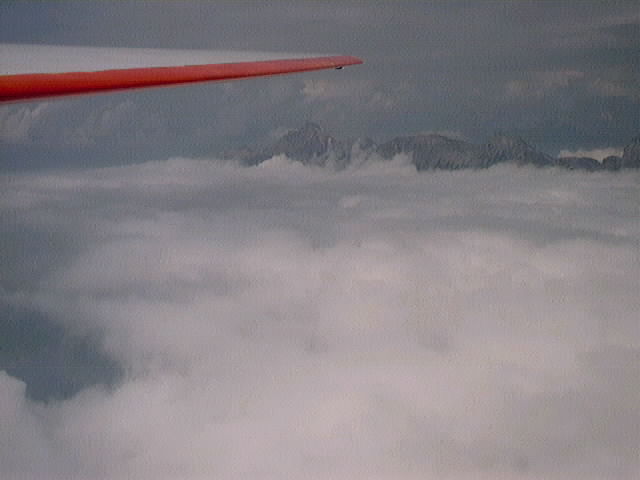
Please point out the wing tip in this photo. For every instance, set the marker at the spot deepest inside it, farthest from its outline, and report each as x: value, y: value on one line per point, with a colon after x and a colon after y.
x: 346, y: 60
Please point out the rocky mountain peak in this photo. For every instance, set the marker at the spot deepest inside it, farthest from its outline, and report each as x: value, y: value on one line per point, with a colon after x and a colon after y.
x: 431, y: 151
x: 310, y: 128
x: 310, y: 144
x: 506, y: 141
x: 503, y: 148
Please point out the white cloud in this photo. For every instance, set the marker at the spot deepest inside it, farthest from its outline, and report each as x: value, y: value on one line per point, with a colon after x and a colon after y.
x: 539, y: 84
x: 597, y: 153
x: 363, y: 91
x: 288, y: 322
x: 18, y: 123
x: 616, y: 87
x: 324, y: 89
x: 112, y: 120
x: 65, y: 123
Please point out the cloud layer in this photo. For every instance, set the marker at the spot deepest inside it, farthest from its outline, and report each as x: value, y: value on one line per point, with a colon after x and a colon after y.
x: 287, y: 322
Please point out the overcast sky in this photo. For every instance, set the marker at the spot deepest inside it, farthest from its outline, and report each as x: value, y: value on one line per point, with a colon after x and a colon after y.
x: 564, y: 75
x: 171, y: 316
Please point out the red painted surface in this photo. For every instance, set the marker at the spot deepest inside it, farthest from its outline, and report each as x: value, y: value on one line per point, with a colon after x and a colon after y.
x: 34, y: 86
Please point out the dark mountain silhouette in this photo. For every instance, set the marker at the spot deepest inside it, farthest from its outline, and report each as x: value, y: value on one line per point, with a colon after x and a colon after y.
x: 581, y: 163
x: 311, y: 145
x: 434, y: 151
x: 631, y: 155
x: 503, y: 149
x: 612, y: 162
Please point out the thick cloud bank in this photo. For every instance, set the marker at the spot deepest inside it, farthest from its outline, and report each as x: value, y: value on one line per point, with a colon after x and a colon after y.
x: 286, y: 322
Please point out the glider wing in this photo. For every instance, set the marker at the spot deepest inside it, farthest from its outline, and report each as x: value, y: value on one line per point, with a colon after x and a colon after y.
x: 31, y: 72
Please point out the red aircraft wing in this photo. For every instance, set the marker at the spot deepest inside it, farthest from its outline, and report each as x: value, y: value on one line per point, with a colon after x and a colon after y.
x: 21, y: 79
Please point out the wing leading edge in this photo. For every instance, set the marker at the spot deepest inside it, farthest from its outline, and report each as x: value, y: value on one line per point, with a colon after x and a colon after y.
x: 23, y: 87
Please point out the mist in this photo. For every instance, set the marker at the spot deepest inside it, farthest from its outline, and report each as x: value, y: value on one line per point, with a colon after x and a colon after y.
x: 283, y: 321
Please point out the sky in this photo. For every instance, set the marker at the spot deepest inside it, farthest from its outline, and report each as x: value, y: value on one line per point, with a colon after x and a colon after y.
x: 165, y: 315
x: 563, y: 75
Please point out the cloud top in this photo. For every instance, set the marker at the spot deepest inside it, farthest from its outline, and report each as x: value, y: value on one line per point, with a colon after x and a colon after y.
x: 289, y: 322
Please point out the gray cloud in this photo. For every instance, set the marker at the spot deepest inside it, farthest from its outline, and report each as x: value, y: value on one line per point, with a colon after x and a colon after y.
x: 284, y: 322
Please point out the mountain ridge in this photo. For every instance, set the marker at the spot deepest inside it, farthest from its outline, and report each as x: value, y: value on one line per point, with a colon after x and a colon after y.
x: 312, y: 145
